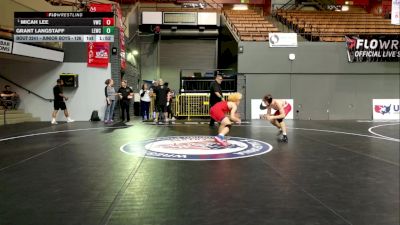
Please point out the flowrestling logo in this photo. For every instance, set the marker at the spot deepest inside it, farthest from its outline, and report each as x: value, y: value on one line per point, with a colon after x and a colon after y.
x: 373, y: 48
x: 195, y: 148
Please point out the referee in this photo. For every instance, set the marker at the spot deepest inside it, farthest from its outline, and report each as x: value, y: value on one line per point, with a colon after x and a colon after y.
x: 215, y: 94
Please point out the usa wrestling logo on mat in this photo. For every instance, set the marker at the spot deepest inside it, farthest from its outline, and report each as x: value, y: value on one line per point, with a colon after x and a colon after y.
x: 196, y: 148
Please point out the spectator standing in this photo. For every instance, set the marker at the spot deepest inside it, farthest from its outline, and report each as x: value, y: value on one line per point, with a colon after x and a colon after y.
x: 110, y: 94
x: 125, y: 94
x: 145, y: 102
x: 161, y: 92
x: 170, y: 96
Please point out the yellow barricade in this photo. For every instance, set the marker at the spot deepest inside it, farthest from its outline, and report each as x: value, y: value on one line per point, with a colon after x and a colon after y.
x: 189, y: 105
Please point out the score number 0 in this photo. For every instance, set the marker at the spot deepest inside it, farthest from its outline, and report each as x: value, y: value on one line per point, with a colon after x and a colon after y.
x: 108, y: 21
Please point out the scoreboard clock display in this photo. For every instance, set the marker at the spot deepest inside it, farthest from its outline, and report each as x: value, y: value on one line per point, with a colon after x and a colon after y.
x: 187, y: 18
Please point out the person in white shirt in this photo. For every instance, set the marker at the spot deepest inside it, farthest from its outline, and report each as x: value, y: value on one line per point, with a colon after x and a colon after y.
x: 145, y: 102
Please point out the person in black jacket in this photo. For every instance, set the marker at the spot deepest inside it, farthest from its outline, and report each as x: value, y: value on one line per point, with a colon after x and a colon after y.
x: 125, y: 94
x: 215, y: 94
x: 170, y: 96
x: 161, y: 92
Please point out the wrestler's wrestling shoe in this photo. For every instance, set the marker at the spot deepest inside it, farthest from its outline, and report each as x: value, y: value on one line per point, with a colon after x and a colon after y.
x: 221, y: 141
x: 284, y: 139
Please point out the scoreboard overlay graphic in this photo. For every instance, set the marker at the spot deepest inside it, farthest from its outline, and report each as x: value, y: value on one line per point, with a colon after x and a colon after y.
x: 64, y: 26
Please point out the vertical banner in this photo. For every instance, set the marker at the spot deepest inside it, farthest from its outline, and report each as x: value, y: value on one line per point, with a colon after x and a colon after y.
x: 120, y: 25
x: 386, y: 109
x: 396, y: 12
x: 119, y: 16
x: 100, y: 7
x: 98, y: 53
x: 122, y: 48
